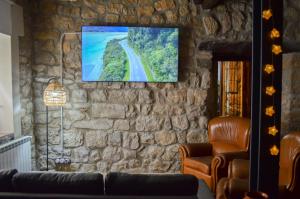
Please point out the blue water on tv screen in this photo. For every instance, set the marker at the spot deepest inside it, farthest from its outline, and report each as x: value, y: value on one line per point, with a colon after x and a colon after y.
x: 135, y: 54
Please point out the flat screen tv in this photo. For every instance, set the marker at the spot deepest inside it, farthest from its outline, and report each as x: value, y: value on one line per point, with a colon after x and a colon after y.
x: 133, y: 54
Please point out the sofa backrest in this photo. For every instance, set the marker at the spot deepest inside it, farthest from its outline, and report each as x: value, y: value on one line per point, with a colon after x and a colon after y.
x: 290, y: 160
x: 230, y: 130
x: 6, y: 180
x: 151, y: 184
x: 59, y: 183
x: 72, y: 196
x: 91, y: 185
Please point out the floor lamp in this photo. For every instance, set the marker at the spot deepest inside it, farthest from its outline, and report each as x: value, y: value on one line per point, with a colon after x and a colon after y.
x: 54, y: 96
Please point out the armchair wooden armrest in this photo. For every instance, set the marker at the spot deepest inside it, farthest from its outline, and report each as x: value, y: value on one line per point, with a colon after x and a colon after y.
x: 195, y: 150
x: 294, y: 184
x: 220, y: 162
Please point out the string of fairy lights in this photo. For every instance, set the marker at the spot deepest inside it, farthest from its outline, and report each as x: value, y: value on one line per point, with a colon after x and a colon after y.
x: 270, y: 70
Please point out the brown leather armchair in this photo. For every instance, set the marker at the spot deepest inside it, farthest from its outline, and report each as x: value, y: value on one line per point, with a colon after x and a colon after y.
x: 236, y: 184
x: 228, y: 140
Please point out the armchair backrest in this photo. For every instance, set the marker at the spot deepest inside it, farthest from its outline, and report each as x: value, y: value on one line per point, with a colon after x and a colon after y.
x: 230, y: 130
x: 290, y: 160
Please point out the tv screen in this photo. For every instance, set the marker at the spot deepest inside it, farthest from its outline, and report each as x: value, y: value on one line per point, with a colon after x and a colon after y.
x: 134, y: 54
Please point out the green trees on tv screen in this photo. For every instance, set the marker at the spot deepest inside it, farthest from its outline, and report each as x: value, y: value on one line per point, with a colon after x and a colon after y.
x: 158, y: 48
x: 115, y: 62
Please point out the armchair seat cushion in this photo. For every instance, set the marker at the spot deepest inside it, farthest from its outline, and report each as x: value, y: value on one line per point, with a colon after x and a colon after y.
x: 221, y: 147
x: 199, y: 163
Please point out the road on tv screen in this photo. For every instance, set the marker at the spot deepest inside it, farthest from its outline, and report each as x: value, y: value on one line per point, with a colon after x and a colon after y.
x: 137, y: 72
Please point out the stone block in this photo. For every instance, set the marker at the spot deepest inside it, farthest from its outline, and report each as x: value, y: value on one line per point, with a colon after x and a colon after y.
x: 131, y: 140
x: 145, y: 10
x: 122, y: 125
x: 100, y: 9
x: 157, y: 19
x: 70, y: 11
x: 115, y: 139
x: 145, y: 96
x: 112, y: 18
x: 108, y: 110
x: 171, y: 17
x: 80, y: 155
x: 102, y: 167
x: 96, y: 124
x: 98, y: 96
x: 146, y: 138
x: 88, y: 168
x: 119, y: 166
x: 112, y: 154
x: 165, y: 137
x: 196, y: 136
x: 45, y: 58
x: 163, y: 5
x: 73, y: 139
x: 160, y: 166
x: 148, y: 123
x: 73, y: 115
x: 171, y: 153
x: 95, y: 156
x: 210, y: 24
x: 205, y: 79
x: 79, y: 95
x: 114, y: 8
x: 152, y: 152
x: 176, y: 96
x: 87, y: 13
x: 129, y: 154
x: 180, y: 122
x: 95, y: 139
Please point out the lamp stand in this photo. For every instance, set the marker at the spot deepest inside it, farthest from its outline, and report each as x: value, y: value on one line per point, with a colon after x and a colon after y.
x: 62, y: 82
x: 47, y: 141
x: 61, y: 160
x: 47, y: 130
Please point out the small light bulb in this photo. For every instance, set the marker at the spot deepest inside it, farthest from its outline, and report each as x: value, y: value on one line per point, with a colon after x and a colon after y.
x: 273, y: 130
x: 274, y: 150
x: 274, y: 33
x: 270, y: 111
x: 267, y: 14
x: 270, y: 90
x: 276, y: 49
x: 269, y: 68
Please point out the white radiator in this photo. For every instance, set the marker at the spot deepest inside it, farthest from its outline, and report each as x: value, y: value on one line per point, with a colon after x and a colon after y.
x: 16, y: 154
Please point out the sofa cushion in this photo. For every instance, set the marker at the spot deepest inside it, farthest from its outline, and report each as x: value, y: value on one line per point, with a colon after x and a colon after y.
x: 65, y: 183
x: 6, y: 180
x: 199, y: 163
x: 150, y: 184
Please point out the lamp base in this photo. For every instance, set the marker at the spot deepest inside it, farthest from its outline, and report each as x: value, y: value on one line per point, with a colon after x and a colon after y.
x: 62, y: 164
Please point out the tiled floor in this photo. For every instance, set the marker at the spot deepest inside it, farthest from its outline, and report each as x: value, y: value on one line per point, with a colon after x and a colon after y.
x: 204, y: 192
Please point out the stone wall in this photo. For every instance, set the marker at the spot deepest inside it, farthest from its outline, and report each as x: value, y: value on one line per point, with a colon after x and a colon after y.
x: 291, y: 21
x: 290, y: 112
x: 135, y: 127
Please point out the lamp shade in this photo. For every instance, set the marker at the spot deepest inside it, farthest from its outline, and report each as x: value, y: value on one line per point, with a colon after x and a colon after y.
x: 55, y: 94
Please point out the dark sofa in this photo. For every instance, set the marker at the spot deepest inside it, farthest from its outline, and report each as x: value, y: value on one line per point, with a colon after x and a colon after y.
x: 93, y: 185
